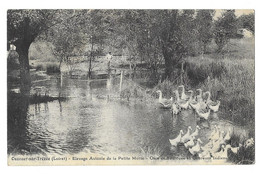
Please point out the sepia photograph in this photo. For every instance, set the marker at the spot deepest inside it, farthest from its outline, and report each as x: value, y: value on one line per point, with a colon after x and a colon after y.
x: 130, y: 87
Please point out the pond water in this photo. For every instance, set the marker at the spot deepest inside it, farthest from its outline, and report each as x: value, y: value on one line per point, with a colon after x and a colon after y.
x: 88, y: 122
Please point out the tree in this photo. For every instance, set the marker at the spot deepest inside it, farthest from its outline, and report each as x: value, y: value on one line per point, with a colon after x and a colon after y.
x: 247, y: 21
x: 204, y: 24
x: 23, y: 27
x: 225, y: 29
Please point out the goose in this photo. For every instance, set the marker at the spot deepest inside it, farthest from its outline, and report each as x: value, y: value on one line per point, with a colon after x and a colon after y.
x: 175, y: 109
x: 199, y: 104
x: 202, y: 113
x: 214, y: 106
x: 187, y: 136
x: 199, y: 96
x: 183, y: 95
x: 190, y: 143
x: 196, y: 132
x: 249, y: 143
x: 215, y: 130
x: 205, y: 154
x: 166, y: 103
x: 196, y: 149
x: 217, y: 144
x: 174, y: 142
x: 233, y: 149
x: 207, y: 146
x: 227, y: 137
x: 222, y: 154
x: 182, y: 103
x: 215, y: 134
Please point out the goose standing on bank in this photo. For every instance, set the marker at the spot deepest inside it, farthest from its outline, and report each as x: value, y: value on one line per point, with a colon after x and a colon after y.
x: 166, y: 103
x: 177, y: 140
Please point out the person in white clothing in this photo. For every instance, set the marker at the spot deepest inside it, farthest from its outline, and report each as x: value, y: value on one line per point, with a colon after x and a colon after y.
x: 109, y: 58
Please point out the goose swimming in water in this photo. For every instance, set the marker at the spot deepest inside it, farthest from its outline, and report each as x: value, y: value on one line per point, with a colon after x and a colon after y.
x: 196, y: 149
x: 217, y: 144
x: 175, y: 109
x: 187, y: 136
x: 205, y: 155
x: 234, y: 149
x: 202, y: 113
x: 215, y: 134
x: 190, y: 143
x: 183, y: 95
x: 184, y: 104
x: 214, y: 106
x: 196, y: 132
x: 208, y: 146
x: 227, y: 137
x: 177, y: 140
x: 199, y: 96
x: 222, y: 154
x: 166, y: 103
x: 199, y: 104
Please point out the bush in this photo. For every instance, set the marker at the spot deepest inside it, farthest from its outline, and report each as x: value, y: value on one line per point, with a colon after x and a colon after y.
x: 52, y: 69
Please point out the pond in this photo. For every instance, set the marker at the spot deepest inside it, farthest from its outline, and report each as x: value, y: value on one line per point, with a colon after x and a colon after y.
x: 89, y: 122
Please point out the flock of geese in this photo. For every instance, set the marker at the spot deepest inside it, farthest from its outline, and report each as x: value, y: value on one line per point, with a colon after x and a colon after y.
x: 217, y: 147
x: 185, y: 101
x: 218, y: 143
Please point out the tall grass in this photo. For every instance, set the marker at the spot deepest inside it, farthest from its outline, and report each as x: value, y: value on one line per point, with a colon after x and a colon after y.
x: 229, y: 80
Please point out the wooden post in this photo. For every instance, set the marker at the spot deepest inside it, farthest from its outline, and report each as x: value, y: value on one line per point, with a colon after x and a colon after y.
x: 121, y: 81
x: 182, y: 71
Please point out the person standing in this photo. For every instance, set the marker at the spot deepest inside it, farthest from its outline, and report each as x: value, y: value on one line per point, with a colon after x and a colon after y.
x: 109, y: 58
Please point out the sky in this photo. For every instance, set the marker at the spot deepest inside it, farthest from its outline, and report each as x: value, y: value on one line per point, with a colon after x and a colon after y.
x: 238, y: 12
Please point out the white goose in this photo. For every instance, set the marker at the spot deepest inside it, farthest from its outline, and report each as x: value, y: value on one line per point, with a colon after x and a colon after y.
x: 214, y: 106
x: 199, y: 104
x: 217, y: 144
x: 187, y: 136
x: 183, y: 95
x: 199, y: 96
x: 227, y: 137
x: 175, y: 109
x: 182, y: 103
x: 205, y: 154
x: 234, y: 149
x: 208, y: 146
x: 190, y: 143
x: 196, y: 149
x: 196, y: 132
x: 215, y: 134
x: 222, y: 154
x: 203, y: 113
x: 166, y: 103
x: 177, y: 140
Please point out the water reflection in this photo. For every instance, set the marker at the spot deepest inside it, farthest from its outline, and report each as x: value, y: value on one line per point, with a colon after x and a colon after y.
x: 88, y: 122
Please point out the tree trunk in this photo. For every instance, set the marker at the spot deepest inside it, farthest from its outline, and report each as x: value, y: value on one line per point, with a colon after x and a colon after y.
x: 168, y: 63
x: 24, y: 69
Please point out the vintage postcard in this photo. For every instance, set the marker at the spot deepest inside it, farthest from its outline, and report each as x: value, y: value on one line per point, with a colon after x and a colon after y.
x: 130, y: 87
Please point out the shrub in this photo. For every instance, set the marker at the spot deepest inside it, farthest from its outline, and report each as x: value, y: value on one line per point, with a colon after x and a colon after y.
x: 52, y: 69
